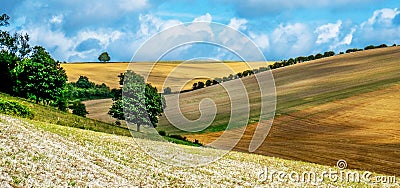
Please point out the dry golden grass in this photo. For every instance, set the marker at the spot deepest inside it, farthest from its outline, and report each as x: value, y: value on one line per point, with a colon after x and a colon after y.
x: 178, y: 73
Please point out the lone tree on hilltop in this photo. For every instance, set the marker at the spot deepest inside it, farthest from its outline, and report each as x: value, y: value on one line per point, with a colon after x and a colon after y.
x: 104, y: 57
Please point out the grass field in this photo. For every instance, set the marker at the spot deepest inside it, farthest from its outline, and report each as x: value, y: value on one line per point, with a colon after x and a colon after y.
x: 178, y: 74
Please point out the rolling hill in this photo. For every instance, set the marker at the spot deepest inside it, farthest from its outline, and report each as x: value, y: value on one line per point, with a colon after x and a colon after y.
x: 108, y: 72
x: 344, y: 106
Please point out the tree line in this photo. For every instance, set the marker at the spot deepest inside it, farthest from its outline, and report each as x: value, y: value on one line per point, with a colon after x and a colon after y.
x: 31, y: 73
x: 283, y: 63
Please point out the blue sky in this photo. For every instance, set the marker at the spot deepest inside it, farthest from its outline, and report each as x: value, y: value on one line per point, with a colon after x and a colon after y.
x: 73, y: 30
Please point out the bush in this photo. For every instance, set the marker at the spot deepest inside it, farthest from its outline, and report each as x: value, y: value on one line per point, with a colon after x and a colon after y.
x: 78, y: 108
x: 15, y: 109
x: 179, y: 137
x: 162, y: 133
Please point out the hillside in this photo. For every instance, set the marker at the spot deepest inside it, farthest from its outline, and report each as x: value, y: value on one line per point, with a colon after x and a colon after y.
x: 108, y: 72
x: 324, y: 108
x: 47, y: 155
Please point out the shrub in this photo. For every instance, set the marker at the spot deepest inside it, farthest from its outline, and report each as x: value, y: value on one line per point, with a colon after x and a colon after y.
x: 15, y: 109
x: 167, y: 91
x: 179, y: 137
x: 78, y: 108
x: 162, y: 133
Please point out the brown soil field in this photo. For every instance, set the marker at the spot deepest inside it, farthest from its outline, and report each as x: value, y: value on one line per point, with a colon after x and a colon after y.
x: 364, y: 130
x: 177, y: 73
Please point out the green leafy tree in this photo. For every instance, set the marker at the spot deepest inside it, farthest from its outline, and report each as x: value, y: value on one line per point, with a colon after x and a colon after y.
x: 208, y: 83
x: 41, y: 78
x: 78, y: 108
x: 200, y: 85
x: 139, y: 103
x: 16, y: 43
x: 8, y: 63
x: 104, y: 57
x: 167, y: 90
x: 4, y: 20
x: 194, y: 87
x: 83, y: 82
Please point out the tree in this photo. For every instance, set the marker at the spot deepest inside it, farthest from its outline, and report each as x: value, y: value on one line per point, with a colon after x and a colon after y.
x: 104, y: 57
x: 40, y: 77
x: 208, y: 83
x: 200, y: 85
x: 16, y: 43
x: 8, y: 62
x: 78, y: 108
x: 83, y: 82
x: 194, y: 87
x: 319, y: 56
x: 139, y: 103
x: 4, y: 20
x: 167, y: 91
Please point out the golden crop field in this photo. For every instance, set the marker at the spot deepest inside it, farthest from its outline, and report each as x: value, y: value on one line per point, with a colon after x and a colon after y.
x: 180, y: 76
x: 343, y: 107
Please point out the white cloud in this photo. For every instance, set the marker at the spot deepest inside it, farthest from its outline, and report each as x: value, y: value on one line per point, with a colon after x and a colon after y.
x: 347, y: 40
x: 130, y: 5
x: 56, y: 19
x: 238, y: 24
x: 328, y: 32
x: 261, y: 40
x: 291, y: 40
x: 383, y: 16
x: 204, y: 18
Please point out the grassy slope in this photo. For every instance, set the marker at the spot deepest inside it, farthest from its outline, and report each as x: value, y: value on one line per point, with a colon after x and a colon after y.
x: 52, y: 115
x: 46, y: 155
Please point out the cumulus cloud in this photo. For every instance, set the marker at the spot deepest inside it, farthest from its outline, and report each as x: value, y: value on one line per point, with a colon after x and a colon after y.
x: 238, y: 24
x: 261, y: 40
x: 379, y: 28
x: 56, y: 19
x: 291, y: 40
x: 382, y: 17
x: 347, y: 40
x: 205, y: 18
x: 328, y: 32
x: 253, y: 8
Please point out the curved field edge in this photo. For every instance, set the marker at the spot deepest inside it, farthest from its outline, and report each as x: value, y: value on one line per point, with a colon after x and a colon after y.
x: 46, y: 155
x: 300, y: 86
x: 363, y: 129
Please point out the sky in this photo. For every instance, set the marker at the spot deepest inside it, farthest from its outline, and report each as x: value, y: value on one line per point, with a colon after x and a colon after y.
x: 78, y: 31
